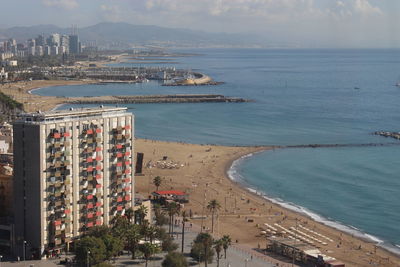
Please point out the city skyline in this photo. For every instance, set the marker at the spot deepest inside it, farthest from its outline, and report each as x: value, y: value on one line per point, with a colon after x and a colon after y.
x: 306, y: 23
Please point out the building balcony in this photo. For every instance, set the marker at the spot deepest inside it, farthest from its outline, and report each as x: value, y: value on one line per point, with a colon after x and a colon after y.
x: 56, y: 135
x: 98, y: 149
x: 98, y: 204
x: 89, y: 131
x: 66, y: 134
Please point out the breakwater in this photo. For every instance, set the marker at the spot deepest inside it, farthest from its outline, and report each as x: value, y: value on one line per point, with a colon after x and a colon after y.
x: 147, y: 99
x: 395, y: 135
x: 338, y: 145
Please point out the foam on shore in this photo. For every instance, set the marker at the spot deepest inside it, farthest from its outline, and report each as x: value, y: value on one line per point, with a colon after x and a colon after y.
x: 234, y: 175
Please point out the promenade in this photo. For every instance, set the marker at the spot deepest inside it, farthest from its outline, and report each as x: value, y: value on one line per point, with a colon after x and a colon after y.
x: 238, y: 255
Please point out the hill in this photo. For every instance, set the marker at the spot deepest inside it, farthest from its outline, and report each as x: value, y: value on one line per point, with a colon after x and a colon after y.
x: 125, y: 34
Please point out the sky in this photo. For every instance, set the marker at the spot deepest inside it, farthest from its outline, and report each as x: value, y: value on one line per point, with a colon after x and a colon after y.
x: 306, y: 23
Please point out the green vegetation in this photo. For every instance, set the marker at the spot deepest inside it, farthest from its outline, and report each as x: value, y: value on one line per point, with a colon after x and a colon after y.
x: 202, y: 248
x: 213, y: 206
x: 9, y: 108
x: 218, y: 248
x: 148, y: 250
x: 90, y: 250
x: 157, y: 182
x: 175, y: 259
x: 226, y: 243
x: 9, y: 102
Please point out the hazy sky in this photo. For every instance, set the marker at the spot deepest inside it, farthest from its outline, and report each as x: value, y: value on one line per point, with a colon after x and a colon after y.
x: 336, y: 23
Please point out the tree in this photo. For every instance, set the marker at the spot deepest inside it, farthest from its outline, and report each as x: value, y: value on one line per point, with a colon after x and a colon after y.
x: 113, y: 245
x: 167, y: 241
x: 218, y: 244
x: 90, y: 248
x: 213, y: 206
x: 160, y: 218
x: 172, y: 209
x: 149, y: 232
x: 202, y: 248
x: 120, y: 226
x: 148, y: 250
x: 99, y: 231
x: 129, y: 213
x: 175, y: 259
x: 184, y: 220
x: 157, y: 181
x: 140, y: 214
x: 133, y: 238
x: 226, y: 242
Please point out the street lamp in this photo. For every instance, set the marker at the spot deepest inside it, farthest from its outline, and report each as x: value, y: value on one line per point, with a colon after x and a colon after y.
x: 245, y: 262
x: 0, y: 259
x: 87, y: 258
x: 24, y: 249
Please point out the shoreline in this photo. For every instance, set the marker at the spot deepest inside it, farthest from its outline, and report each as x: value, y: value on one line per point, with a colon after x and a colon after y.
x: 210, y: 171
x: 210, y: 177
x: 303, y: 211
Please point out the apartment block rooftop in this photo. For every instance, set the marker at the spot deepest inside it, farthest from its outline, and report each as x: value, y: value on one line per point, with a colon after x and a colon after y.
x: 70, y: 114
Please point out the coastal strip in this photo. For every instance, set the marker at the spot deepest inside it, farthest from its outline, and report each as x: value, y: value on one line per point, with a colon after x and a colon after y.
x: 203, y: 173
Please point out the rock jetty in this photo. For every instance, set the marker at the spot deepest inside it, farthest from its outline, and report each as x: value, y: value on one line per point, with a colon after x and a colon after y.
x: 146, y: 99
x: 395, y: 135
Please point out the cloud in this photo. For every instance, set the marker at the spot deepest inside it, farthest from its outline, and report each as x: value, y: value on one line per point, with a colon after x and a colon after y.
x: 365, y: 8
x: 112, y: 13
x: 65, y: 4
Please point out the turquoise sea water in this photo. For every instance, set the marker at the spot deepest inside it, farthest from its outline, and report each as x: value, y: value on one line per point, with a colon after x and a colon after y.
x: 300, y: 97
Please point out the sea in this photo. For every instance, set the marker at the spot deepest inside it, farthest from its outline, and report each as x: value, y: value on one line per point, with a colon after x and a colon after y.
x: 298, y: 97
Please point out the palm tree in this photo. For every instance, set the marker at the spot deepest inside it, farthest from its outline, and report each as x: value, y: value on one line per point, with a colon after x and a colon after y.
x: 184, y: 220
x: 213, y: 206
x: 129, y: 214
x: 157, y: 181
x: 148, y: 250
x: 140, y: 214
x: 133, y: 238
x: 226, y: 242
x: 218, y: 244
x: 172, y: 209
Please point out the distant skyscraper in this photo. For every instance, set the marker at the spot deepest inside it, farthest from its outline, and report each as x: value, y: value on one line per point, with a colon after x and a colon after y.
x: 40, y: 40
x: 65, y: 43
x: 55, y: 39
x: 73, y: 171
x: 74, y: 44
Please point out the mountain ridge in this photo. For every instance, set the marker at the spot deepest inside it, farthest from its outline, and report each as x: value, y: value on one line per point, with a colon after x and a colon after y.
x: 127, y: 34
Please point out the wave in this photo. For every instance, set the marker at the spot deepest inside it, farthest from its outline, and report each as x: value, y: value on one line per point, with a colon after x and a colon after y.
x: 234, y: 175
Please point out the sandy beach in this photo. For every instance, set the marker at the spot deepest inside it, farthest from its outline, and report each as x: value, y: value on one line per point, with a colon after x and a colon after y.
x: 202, y: 173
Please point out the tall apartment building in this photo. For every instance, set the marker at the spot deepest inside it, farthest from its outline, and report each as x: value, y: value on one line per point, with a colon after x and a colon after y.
x: 73, y: 170
x: 74, y: 44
